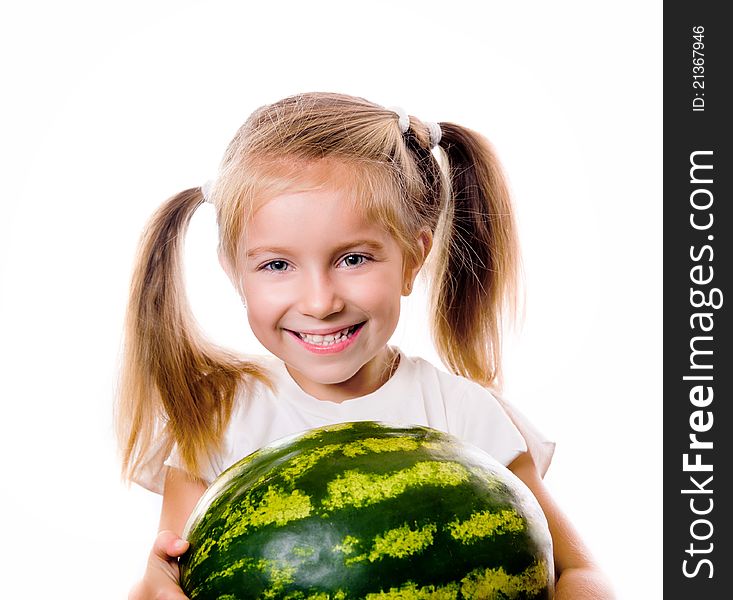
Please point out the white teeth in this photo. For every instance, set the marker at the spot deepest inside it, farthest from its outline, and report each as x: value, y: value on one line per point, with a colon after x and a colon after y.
x: 325, y: 340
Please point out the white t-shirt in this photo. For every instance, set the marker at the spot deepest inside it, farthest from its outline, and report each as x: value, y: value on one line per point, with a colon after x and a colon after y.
x: 417, y: 394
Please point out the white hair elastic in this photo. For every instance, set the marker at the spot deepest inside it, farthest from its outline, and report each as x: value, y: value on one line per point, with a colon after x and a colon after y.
x: 434, y: 130
x: 435, y: 133
x: 404, y: 118
x: 206, y: 190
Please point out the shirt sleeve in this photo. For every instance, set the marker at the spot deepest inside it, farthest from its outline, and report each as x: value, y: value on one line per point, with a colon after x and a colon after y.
x: 478, y: 418
x: 152, y: 474
x: 499, y: 428
x: 540, y: 447
x: 211, y: 466
x: 165, y: 453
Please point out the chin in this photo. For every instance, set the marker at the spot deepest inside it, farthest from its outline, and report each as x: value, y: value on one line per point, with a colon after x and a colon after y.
x: 330, y: 375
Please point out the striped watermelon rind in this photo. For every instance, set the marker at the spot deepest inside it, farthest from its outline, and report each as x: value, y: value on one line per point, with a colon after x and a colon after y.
x: 367, y: 510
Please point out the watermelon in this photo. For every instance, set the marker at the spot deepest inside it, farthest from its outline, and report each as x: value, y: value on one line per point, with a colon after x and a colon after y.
x: 367, y: 510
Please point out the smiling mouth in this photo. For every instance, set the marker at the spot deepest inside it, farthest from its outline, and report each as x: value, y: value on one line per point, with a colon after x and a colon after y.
x: 332, y: 338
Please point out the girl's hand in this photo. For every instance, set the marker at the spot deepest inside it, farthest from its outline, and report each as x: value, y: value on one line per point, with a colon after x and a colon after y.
x: 161, y: 579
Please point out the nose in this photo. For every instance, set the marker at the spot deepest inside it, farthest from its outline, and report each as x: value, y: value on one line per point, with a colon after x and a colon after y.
x: 319, y: 296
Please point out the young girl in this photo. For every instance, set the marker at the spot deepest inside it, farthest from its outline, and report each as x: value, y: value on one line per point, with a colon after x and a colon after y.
x: 328, y: 207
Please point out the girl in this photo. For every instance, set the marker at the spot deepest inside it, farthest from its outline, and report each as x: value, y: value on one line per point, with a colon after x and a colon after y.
x: 328, y: 207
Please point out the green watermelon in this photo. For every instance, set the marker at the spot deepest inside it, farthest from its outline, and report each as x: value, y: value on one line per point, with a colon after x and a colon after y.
x: 367, y: 510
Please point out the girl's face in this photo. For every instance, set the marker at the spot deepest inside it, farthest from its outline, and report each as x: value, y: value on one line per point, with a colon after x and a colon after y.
x: 322, y: 288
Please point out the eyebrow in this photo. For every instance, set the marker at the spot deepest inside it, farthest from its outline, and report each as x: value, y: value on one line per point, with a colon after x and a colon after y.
x: 373, y: 245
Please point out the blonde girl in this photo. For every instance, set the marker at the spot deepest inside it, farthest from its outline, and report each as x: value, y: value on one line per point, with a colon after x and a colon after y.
x: 327, y: 208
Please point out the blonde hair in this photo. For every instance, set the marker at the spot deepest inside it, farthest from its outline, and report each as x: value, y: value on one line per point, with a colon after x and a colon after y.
x: 177, y: 385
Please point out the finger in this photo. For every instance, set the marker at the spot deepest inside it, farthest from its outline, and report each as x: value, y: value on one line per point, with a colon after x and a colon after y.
x: 143, y: 591
x: 168, y: 545
x: 171, y: 596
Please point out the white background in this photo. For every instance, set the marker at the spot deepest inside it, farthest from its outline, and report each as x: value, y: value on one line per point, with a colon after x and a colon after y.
x: 109, y: 108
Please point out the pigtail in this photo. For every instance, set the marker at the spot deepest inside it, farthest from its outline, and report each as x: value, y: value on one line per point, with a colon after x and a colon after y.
x: 175, y: 387
x: 476, y: 267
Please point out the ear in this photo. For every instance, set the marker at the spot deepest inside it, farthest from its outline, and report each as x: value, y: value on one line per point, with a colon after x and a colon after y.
x: 424, y: 243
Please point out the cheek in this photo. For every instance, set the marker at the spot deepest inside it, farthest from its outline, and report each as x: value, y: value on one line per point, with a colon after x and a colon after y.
x: 258, y: 317
x: 379, y: 295
x: 264, y: 306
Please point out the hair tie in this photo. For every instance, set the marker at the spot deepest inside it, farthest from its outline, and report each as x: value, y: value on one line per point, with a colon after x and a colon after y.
x: 404, y: 118
x: 206, y: 190
x: 435, y: 133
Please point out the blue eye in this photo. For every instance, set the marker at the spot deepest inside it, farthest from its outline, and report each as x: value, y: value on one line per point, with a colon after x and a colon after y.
x: 278, y: 266
x: 349, y: 261
x: 354, y: 260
